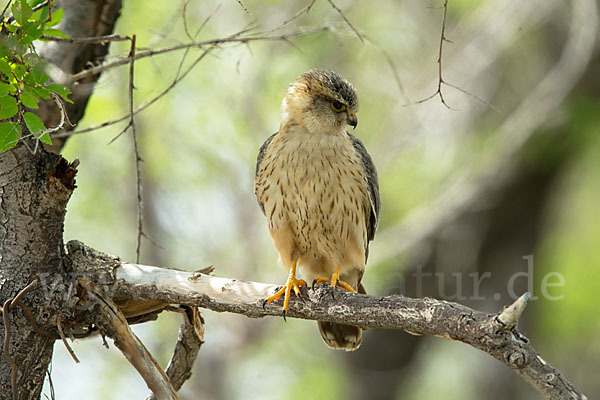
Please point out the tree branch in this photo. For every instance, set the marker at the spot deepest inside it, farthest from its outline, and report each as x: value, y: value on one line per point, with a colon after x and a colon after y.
x: 191, y: 338
x: 115, y: 325
x: 495, y: 334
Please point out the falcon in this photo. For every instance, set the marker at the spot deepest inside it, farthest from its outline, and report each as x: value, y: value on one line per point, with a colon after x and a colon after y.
x: 318, y: 188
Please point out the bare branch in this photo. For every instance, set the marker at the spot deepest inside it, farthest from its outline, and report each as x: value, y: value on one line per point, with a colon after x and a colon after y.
x: 116, y: 327
x: 88, y: 40
x: 421, y: 316
x: 6, y: 308
x: 191, y: 338
x: 438, y: 92
x: 178, y: 78
x: 138, y: 159
x: 61, y: 332
x: 462, y: 192
x: 441, y: 80
x: 303, y: 10
x: 336, y: 8
x: 9, y: 359
x: 237, y: 37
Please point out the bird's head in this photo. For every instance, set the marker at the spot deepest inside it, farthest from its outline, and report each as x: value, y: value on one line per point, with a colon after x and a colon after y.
x: 321, y: 101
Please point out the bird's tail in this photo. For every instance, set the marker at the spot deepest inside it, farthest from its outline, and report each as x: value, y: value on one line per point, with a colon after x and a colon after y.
x: 342, y: 337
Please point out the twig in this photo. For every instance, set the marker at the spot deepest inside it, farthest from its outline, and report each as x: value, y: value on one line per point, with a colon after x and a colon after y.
x: 439, y: 61
x: 88, y: 40
x: 235, y: 38
x: 116, y: 326
x: 138, y: 159
x: 64, y: 340
x: 38, y: 135
x: 215, y: 42
x: 336, y: 8
x: 441, y: 80
x: 11, y: 18
x: 462, y: 193
x: 49, y: 374
x: 7, y: 307
x: 184, y: 18
x: 243, y: 6
x: 392, y: 66
x: 31, y: 319
x: 143, y: 106
x: 303, y: 10
x: 5, y: 8
x: 9, y: 359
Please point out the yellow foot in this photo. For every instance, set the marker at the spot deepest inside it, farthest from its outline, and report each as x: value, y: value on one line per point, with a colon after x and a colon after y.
x: 291, y: 284
x: 335, y: 281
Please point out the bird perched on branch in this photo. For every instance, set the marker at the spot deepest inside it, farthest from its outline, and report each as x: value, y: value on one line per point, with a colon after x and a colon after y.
x: 318, y: 188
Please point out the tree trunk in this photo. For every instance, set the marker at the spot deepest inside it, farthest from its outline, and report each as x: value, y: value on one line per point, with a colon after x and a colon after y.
x: 34, y: 191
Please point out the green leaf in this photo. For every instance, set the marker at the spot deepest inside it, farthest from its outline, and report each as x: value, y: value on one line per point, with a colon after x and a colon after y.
x: 36, y: 126
x: 33, y: 122
x: 33, y: 30
x: 40, y: 91
x: 55, y: 32
x: 20, y: 70
x: 60, y: 90
x: 37, y: 15
x: 10, y: 132
x: 21, y: 11
x: 56, y: 17
x: 4, y: 88
x: 45, y: 138
x: 5, y: 68
x: 8, y: 107
x: 37, y: 76
x: 29, y: 99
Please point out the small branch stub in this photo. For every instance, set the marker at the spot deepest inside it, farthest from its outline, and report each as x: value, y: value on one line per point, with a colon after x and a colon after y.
x: 511, y: 314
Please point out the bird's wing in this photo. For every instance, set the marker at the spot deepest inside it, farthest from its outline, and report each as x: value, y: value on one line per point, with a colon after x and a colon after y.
x: 372, y: 215
x: 261, y: 155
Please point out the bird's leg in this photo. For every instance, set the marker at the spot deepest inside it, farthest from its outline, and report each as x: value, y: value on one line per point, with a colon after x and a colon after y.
x: 335, y: 281
x: 291, y: 284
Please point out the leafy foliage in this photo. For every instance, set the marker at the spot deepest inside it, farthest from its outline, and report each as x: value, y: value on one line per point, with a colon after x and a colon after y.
x: 23, y: 77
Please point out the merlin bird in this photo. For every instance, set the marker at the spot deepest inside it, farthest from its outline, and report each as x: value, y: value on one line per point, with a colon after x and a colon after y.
x: 318, y: 188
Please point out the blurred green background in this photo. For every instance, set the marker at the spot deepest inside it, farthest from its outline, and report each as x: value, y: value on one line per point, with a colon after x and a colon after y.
x: 466, y: 191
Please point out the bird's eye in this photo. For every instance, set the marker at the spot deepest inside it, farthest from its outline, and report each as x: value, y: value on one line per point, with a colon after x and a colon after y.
x: 337, y: 106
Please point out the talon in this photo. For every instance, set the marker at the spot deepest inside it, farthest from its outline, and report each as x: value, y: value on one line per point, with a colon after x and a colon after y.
x: 335, y: 281
x: 264, y: 303
x: 318, y: 280
x: 291, y: 284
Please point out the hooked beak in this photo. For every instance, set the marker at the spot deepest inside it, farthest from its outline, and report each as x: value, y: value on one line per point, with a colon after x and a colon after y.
x: 352, y: 120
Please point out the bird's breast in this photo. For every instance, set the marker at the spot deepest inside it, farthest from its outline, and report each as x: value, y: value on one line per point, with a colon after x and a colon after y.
x: 313, y: 187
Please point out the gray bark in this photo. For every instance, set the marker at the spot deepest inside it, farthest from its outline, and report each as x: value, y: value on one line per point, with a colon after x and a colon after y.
x: 34, y: 190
